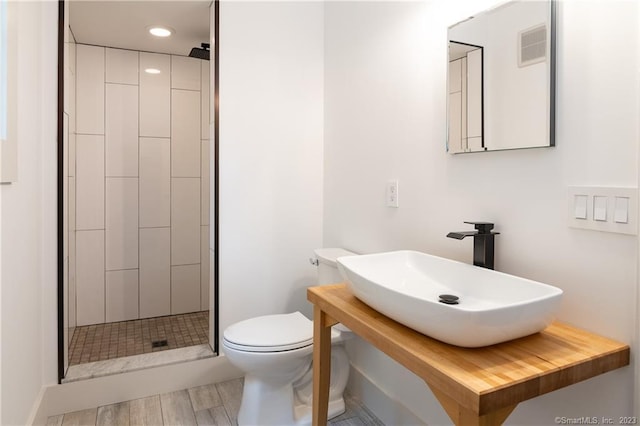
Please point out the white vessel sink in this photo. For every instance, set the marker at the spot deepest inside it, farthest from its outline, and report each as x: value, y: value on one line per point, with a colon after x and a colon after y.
x: 493, y: 307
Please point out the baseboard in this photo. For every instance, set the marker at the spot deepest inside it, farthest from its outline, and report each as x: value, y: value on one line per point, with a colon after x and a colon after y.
x: 385, y: 408
x: 90, y: 393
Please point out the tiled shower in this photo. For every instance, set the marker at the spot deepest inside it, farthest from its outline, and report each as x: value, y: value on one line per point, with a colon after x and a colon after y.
x: 138, y: 186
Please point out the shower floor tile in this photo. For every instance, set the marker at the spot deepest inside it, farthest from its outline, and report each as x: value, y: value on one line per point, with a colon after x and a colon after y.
x: 100, y: 342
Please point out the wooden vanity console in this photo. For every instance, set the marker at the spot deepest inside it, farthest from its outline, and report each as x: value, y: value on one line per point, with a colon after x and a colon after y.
x: 475, y: 386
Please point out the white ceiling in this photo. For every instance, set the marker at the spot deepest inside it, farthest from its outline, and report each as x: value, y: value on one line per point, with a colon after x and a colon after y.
x: 117, y: 23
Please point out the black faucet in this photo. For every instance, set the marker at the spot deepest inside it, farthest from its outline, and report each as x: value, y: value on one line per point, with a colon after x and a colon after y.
x: 483, y: 242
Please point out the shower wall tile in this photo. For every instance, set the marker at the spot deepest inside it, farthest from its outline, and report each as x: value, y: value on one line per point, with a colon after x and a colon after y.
x: 72, y: 279
x: 65, y: 216
x: 155, y: 182
x: 138, y: 185
x: 155, y: 272
x: 65, y: 186
x: 66, y: 337
x: 72, y: 204
x: 212, y: 270
x: 90, y: 277
x: 121, y: 133
x: 90, y: 182
x: 205, y: 97
x: 90, y: 89
x: 65, y: 144
x: 204, y: 185
x: 72, y: 252
x: 68, y: 76
x: 204, y: 268
x: 185, y: 289
x: 185, y: 73
x: 121, y: 66
x: 155, y: 95
x: 121, y: 295
x: 72, y: 152
x: 71, y: 87
x: 122, y: 223
x: 185, y: 221
x: 185, y: 133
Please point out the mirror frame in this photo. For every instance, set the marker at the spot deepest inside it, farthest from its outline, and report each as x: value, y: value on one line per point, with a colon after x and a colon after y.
x: 552, y: 86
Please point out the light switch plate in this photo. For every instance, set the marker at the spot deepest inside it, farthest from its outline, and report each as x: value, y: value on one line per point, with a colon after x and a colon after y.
x: 605, y: 209
x: 392, y: 194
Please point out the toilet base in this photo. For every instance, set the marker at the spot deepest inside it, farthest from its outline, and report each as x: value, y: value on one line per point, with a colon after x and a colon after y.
x: 264, y: 404
x: 273, y: 401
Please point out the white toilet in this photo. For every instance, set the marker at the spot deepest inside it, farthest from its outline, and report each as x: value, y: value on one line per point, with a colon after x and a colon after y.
x: 275, y: 352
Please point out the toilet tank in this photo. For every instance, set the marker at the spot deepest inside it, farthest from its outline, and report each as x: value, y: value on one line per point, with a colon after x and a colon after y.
x: 327, y: 267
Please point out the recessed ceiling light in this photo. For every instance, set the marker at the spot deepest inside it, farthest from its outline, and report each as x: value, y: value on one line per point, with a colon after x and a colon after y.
x: 160, y: 31
x: 152, y: 71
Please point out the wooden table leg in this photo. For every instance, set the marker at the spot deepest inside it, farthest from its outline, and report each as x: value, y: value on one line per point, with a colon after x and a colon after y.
x: 321, y: 365
x: 462, y: 416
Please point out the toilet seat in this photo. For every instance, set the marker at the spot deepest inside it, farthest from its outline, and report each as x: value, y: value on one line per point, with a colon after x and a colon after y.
x: 270, y: 333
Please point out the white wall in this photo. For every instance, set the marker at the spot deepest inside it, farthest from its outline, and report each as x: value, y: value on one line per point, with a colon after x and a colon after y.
x: 271, y: 120
x: 28, y: 227
x: 385, y: 115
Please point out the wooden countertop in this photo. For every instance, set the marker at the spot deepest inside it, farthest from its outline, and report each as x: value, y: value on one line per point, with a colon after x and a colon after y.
x: 482, y: 380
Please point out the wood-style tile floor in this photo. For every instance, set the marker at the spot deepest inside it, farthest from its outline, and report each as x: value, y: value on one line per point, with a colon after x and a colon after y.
x: 100, y: 342
x: 216, y: 404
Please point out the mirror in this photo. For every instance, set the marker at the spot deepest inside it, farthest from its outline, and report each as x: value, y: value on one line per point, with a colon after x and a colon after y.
x: 501, y: 79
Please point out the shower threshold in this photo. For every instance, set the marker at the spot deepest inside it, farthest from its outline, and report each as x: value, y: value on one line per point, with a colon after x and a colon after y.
x: 127, y: 364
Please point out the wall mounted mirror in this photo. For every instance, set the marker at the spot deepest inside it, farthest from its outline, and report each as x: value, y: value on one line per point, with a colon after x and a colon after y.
x: 501, y: 79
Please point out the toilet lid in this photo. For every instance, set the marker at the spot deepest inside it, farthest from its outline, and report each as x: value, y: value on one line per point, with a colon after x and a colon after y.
x: 270, y: 333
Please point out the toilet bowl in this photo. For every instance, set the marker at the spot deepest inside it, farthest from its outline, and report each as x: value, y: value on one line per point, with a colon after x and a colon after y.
x: 275, y: 352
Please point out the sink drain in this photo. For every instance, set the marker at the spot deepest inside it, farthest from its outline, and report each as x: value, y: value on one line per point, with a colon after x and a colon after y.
x: 448, y: 299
